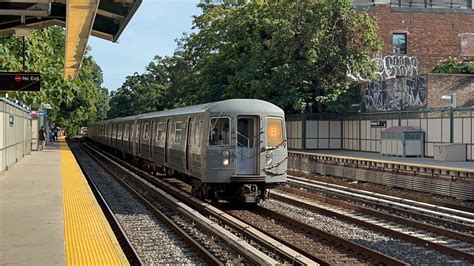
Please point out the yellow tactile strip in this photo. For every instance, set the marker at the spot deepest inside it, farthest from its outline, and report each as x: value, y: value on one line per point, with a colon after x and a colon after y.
x: 89, y: 240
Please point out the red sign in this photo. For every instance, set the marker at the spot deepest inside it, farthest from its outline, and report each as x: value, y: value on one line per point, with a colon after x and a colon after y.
x: 17, y: 78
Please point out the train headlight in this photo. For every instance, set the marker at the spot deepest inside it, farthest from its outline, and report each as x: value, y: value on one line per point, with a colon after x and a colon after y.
x: 226, y: 154
x: 225, y: 162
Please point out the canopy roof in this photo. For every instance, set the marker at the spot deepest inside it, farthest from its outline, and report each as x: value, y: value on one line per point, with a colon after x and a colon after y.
x: 105, y: 19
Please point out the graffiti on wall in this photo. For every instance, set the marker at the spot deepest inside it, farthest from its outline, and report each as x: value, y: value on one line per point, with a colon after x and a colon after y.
x: 395, y: 94
x: 392, y: 66
x: 397, y: 86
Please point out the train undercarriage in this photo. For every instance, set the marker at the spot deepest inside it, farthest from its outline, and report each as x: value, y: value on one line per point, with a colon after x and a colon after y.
x: 235, y: 192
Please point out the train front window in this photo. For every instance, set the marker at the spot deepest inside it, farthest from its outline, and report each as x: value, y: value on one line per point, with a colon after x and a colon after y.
x: 274, y: 132
x: 219, y: 133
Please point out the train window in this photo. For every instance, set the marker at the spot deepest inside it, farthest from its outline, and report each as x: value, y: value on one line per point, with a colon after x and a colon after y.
x: 137, y: 133
x: 120, y: 131
x: 145, y: 132
x: 219, y: 133
x: 125, y: 131
x: 159, y: 134
x: 274, y: 132
x: 178, y: 126
x: 197, y: 133
x: 111, y: 132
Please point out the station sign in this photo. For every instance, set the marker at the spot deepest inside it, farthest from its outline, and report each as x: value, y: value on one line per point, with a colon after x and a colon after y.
x: 17, y: 81
x: 378, y: 123
x: 38, y: 113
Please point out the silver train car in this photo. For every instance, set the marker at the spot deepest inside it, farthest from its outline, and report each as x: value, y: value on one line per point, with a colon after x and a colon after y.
x: 234, y: 149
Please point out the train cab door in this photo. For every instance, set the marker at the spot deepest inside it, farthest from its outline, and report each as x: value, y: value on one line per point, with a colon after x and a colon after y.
x: 189, y: 144
x: 247, y: 143
x: 167, y: 140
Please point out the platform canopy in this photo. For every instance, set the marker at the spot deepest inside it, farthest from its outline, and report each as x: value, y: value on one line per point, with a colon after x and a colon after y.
x: 105, y: 19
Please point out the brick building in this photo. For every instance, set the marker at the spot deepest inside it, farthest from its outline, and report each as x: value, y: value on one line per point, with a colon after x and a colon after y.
x: 431, y: 30
x: 417, y: 34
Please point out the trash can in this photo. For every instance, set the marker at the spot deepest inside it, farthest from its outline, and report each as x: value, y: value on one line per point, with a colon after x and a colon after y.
x: 454, y: 152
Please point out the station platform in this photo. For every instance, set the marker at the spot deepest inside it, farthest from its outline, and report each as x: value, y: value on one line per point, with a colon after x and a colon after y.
x: 467, y: 165
x: 453, y: 179
x: 49, y: 215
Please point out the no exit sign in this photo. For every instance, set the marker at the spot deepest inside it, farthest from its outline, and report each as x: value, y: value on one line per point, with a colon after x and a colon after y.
x: 14, y: 81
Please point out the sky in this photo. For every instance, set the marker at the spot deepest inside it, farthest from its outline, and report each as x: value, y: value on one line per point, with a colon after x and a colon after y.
x: 152, y: 31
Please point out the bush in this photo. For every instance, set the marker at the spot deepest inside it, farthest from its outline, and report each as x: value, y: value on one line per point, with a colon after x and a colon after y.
x: 454, y: 66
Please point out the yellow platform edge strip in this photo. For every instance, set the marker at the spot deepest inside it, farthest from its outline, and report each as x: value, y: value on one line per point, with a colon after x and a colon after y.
x: 89, y: 239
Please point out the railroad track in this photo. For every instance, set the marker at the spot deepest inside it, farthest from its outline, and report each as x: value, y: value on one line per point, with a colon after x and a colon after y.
x: 327, y: 249
x: 259, y: 247
x: 144, y: 225
x: 453, y: 243
x: 340, y: 250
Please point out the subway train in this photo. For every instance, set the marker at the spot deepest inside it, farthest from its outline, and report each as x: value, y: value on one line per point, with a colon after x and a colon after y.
x: 233, y: 150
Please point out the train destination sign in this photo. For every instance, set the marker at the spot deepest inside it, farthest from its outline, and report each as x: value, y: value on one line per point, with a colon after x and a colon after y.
x: 12, y: 81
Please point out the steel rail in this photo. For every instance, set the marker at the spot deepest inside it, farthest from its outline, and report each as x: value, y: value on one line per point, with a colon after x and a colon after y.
x: 306, y: 204
x: 125, y: 244
x: 460, y: 213
x: 235, y: 242
x: 350, y: 192
x: 462, y: 227
x: 431, y: 228
x: 370, y: 253
x: 252, y: 233
x: 198, y: 248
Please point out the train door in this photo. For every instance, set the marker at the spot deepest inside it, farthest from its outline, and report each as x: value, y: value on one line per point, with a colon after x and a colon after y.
x: 247, y: 143
x: 152, y: 136
x: 189, y: 143
x: 139, y: 138
x: 136, y: 138
x: 167, y: 140
x: 130, y: 137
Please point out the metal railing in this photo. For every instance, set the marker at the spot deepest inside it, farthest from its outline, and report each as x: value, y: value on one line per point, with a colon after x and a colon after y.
x: 455, y: 4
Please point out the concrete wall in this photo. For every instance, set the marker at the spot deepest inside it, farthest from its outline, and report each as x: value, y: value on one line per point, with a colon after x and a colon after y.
x: 15, y: 133
x: 356, y: 132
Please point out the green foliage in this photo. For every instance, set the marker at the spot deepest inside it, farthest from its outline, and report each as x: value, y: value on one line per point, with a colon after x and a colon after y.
x: 291, y: 53
x: 287, y: 52
x: 75, y: 103
x: 454, y: 66
x: 142, y: 93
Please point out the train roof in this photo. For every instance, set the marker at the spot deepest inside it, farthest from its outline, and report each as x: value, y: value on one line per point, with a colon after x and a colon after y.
x: 226, y: 106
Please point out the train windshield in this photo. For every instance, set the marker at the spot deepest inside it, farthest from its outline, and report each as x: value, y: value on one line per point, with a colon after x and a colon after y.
x: 274, y: 132
x: 219, y: 131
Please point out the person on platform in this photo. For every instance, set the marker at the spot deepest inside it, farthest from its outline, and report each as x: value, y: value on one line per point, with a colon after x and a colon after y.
x: 55, y: 134
x: 41, y: 139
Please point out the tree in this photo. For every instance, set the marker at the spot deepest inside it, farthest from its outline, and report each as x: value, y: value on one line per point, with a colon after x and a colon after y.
x: 288, y: 52
x: 75, y: 102
x: 454, y: 66
x: 142, y: 93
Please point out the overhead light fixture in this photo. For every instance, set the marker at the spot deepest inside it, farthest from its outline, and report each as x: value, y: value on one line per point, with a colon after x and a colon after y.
x: 452, y: 99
